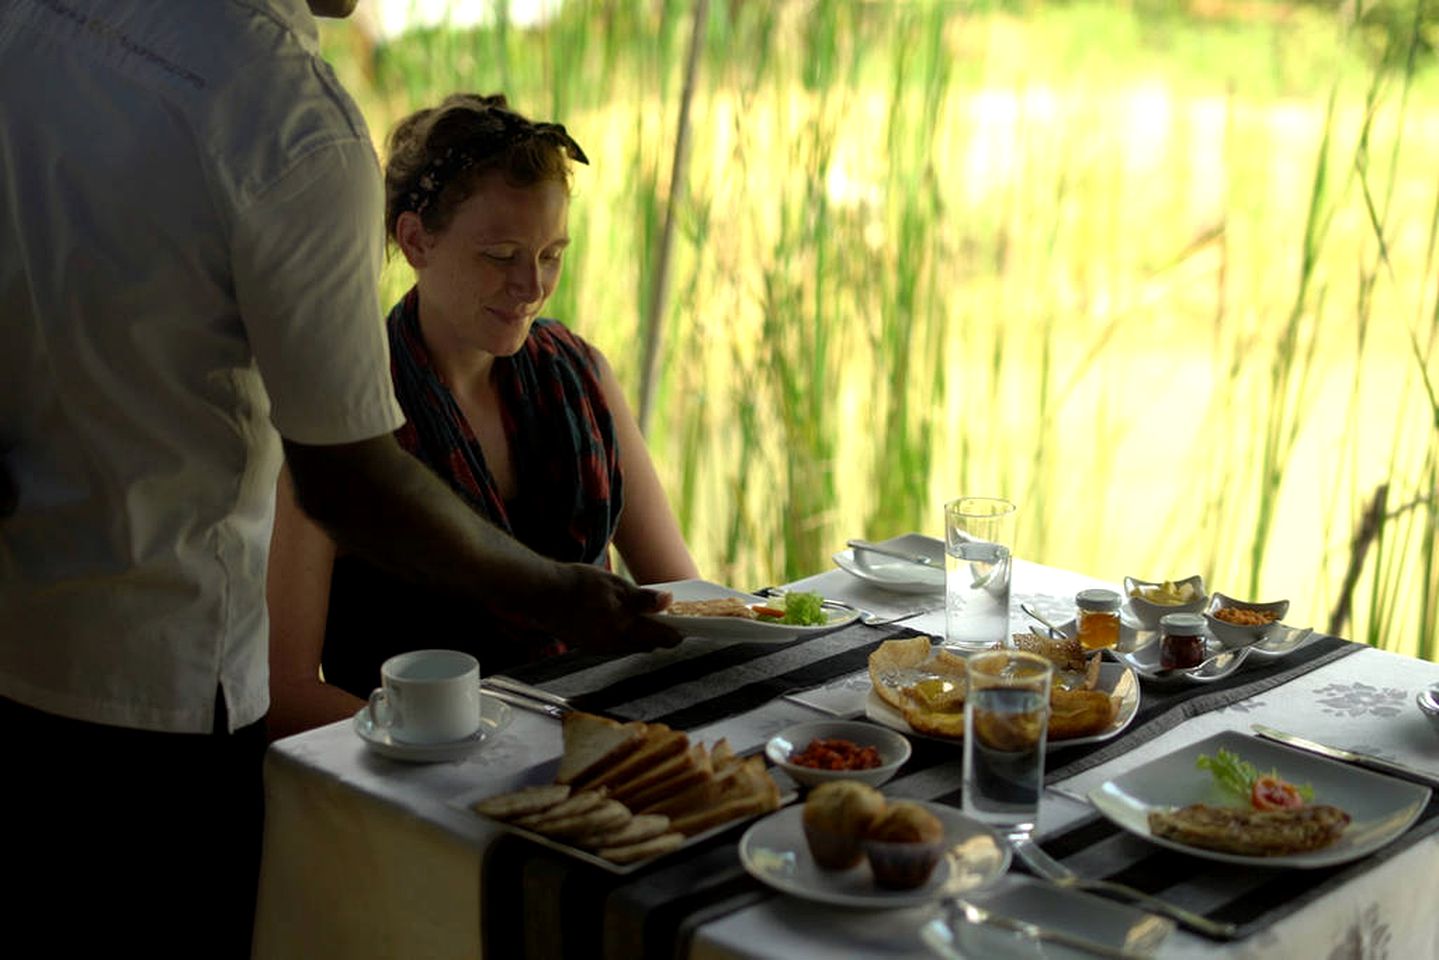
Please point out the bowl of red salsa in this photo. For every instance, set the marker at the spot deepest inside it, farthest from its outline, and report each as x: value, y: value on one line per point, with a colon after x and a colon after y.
x: 823, y: 750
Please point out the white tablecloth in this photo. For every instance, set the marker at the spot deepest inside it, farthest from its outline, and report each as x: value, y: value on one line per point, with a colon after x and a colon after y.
x: 368, y: 858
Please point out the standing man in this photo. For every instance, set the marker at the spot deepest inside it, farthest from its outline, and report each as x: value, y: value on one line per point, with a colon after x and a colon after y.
x: 189, y: 253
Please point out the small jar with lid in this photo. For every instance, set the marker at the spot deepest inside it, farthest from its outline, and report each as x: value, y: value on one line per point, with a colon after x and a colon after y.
x: 1098, y: 618
x: 1182, y: 641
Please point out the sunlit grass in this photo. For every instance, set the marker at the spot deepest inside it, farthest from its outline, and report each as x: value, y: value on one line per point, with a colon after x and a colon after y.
x: 1146, y: 277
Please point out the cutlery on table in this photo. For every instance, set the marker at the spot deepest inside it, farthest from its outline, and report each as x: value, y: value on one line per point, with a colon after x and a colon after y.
x: 1368, y: 761
x: 525, y: 695
x: 1035, y: 615
x: 1058, y: 874
x: 879, y: 548
x: 1222, y: 657
x: 974, y: 913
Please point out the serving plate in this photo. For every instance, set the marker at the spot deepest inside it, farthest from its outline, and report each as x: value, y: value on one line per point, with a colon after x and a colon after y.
x: 775, y: 852
x: 736, y: 628
x: 892, y: 573
x: 544, y: 773
x: 1381, y: 807
x: 494, y: 717
x: 1114, y: 678
x: 1145, y: 661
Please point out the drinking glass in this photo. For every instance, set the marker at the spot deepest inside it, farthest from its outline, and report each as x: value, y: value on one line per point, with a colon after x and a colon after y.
x: 1006, y: 723
x: 978, y: 540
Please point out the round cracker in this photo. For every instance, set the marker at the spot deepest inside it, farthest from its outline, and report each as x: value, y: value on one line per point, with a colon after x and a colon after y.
x: 582, y: 802
x: 522, y: 803
x: 644, y: 850
x: 645, y: 826
x: 609, y: 815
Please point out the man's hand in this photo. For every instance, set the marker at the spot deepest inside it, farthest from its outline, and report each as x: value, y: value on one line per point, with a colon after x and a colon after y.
x: 603, y: 613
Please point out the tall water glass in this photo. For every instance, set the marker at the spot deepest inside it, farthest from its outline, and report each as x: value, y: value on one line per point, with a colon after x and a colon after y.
x: 978, y: 540
x: 1006, y: 724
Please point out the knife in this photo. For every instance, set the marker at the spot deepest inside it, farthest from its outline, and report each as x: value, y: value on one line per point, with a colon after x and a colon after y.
x: 1368, y: 761
x: 915, y: 558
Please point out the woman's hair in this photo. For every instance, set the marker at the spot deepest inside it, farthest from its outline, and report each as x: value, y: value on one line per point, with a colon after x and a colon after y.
x: 437, y: 155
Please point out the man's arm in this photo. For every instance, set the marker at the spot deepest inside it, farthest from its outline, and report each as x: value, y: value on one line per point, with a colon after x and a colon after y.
x: 380, y: 502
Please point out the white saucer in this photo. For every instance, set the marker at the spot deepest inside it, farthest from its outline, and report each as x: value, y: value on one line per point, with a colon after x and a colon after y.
x: 890, y: 573
x: 494, y: 717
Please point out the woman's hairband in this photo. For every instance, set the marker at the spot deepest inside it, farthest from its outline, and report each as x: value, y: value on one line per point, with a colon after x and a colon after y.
x: 506, y: 129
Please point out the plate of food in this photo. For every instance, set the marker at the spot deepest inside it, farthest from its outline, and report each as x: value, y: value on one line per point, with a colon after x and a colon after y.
x: 625, y: 794
x: 850, y: 846
x: 889, y: 569
x: 704, y: 609
x: 1238, y: 799
x: 919, y: 689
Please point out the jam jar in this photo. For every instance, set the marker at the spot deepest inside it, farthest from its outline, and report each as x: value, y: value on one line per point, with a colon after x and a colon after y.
x: 1182, y: 643
x: 1098, y: 618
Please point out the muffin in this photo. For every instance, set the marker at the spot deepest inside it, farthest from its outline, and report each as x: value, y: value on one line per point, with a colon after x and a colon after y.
x: 904, y: 846
x: 837, y: 817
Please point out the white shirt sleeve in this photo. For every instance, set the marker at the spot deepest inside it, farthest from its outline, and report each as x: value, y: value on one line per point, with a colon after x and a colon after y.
x: 306, y: 255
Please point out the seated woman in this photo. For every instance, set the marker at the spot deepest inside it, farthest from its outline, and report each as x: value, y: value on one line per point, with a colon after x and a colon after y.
x: 523, y: 417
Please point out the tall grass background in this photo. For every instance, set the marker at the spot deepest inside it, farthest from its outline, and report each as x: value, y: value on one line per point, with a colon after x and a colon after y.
x: 1171, y: 282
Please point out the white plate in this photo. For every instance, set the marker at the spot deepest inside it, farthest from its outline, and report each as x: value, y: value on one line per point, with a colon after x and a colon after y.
x: 1145, y: 661
x: 775, y: 852
x: 1282, y: 642
x: 1113, y: 678
x: 736, y: 628
x: 494, y: 717
x: 1108, y: 925
x: 892, y: 573
x: 1381, y: 807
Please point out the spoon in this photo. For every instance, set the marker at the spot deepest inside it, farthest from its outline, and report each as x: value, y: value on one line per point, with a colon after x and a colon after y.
x: 1034, y: 614
x: 1202, y: 665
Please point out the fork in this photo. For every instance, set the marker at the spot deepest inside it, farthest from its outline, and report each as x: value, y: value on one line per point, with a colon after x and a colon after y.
x: 1061, y: 876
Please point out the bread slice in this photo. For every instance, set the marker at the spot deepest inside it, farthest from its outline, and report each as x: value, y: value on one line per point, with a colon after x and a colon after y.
x: 747, y: 791
x: 660, y: 744
x: 669, y: 778
x: 592, y: 744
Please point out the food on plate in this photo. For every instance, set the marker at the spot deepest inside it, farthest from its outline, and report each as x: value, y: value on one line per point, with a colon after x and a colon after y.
x: 718, y: 607
x: 1080, y: 713
x: 593, y: 743
x: 836, y: 753
x: 632, y: 791
x: 523, y: 802
x: 1246, y: 783
x: 1250, y: 832
x: 897, y: 664
x: 1244, y: 618
x: 1272, y: 817
x: 904, y: 846
x: 798, y: 609
x: 1167, y: 594
x: 927, y: 686
x: 837, y: 817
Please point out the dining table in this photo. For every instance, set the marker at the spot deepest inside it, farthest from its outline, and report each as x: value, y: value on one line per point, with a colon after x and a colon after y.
x: 370, y: 856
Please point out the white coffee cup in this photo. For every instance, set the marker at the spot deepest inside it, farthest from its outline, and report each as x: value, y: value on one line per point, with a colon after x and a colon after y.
x: 428, y: 696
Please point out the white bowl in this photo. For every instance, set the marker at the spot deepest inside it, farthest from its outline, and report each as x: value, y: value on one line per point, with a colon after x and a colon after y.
x: 1233, y: 635
x: 1148, y: 612
x: 893, y: 750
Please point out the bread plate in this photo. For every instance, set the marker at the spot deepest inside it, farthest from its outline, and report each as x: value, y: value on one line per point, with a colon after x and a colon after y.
x: 775, y: 852
x: 1114, y: 678
x: 544, y: 774
x: 1381, y: 808
x: 737, y: 628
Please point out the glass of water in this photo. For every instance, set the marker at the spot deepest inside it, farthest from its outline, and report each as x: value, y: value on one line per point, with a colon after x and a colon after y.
x: 1006, y: 724
x: 978, y: 539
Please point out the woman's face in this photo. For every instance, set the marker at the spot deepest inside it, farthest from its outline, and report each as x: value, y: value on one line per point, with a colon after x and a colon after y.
x: 485, y: 277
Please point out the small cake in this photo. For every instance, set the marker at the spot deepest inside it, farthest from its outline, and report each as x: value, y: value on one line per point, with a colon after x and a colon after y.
x: 837, y: 817
x: 904, y: 846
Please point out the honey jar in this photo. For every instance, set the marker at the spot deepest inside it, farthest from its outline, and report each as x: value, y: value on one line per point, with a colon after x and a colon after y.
x: 1182, y: 641
x: 1098, y: 618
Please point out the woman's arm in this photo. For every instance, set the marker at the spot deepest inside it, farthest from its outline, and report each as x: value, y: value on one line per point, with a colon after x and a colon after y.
x: 648, y: 536
x: 302, y: 558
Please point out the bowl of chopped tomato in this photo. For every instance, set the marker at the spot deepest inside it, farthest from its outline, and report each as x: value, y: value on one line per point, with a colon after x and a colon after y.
x: 823, y: 750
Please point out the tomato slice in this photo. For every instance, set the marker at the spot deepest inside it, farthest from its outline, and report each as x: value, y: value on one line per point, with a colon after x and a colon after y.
x: 1271, y: 793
